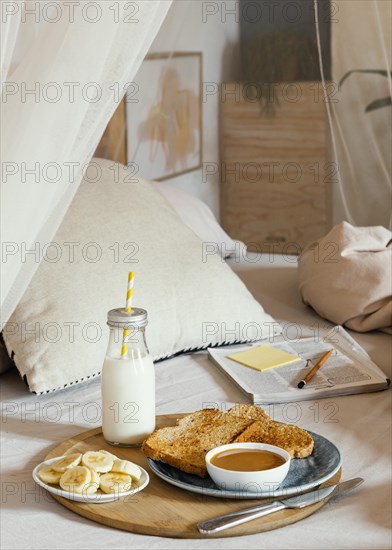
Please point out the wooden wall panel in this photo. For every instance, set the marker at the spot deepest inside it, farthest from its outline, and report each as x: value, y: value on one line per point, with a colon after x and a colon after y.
x: 274, y: 169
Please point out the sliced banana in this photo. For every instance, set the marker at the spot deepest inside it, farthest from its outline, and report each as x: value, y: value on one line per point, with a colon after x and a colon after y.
x: 115, y: 483
x: 98, y: 461
x: 76, y: 480
x: 127, y: 467
x: 67, y: 462
x: 112, y: 456
x: 49, y: 475
x: 93, y: 486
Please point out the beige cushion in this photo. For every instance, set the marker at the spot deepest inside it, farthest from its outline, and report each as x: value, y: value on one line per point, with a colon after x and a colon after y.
x: 346, y: 277
x: 58, y: 332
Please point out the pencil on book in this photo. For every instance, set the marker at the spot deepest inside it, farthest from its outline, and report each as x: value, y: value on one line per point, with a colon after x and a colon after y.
x: 318, y: 365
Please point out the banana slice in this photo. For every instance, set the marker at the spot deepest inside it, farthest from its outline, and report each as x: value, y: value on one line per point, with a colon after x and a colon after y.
x: 98, y: 461
x: 127, y: 467
x: 93, y: 486
x: 49, y: 475
x: 76, y: 480
x: 112, y: 456
x: 115, y: 483
x: 67, y: 462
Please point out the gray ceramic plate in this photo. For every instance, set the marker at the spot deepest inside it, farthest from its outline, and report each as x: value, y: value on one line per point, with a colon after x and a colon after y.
x: 304, y: 474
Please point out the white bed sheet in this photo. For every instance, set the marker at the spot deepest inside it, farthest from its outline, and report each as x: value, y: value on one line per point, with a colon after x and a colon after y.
x: 359, y: 425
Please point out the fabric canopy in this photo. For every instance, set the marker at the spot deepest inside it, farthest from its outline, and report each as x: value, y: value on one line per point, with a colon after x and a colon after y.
x: 65, y: 67
x: 359, y: 100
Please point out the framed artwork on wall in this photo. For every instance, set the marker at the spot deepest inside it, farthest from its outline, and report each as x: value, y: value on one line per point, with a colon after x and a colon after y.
x: 164, y: 115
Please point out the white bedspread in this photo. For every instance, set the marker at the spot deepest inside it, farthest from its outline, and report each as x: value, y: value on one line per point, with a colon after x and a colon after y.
x: 359, y: 425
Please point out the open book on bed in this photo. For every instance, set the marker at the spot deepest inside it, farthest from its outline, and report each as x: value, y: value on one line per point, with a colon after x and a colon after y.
x: 349, y: 370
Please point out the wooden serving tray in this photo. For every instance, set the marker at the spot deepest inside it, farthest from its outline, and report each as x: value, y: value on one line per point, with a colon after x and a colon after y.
x: 163, y: 509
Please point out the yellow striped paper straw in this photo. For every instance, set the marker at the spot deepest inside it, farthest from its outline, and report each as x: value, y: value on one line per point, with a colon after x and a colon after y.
x: 128, y: 309
x: 128, y: 303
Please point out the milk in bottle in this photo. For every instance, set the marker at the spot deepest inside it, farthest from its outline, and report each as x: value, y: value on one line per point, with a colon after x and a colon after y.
x: 128, y: 381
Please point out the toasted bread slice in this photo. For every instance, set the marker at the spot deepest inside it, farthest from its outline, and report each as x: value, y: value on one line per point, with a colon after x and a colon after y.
x: 250, y: 411
x: 296, y: 441
x: 185, y: 445
x: 293, y: 439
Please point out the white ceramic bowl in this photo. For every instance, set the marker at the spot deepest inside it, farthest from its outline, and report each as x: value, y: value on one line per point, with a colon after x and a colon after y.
x: 254, y: 482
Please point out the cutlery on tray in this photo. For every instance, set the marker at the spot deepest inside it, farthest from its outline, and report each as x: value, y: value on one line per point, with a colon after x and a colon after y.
x: 214, y: 525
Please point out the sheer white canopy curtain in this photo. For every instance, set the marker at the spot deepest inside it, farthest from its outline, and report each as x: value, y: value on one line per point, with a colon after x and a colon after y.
x: 65, y: 65
x: 359, y: 104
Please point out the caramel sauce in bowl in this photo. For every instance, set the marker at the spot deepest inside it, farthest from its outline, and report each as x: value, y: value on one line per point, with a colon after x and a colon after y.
x: 250, y: 467
x: 247, y: 460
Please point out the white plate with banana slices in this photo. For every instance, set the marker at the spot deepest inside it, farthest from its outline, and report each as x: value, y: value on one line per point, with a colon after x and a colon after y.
x: 95, y: 477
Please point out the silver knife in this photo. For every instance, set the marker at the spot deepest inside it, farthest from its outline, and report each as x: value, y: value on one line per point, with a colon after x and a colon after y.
x: 220, y: 523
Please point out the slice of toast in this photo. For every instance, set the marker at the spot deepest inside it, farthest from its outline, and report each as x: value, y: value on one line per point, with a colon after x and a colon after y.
x: 296, y: 441
x: 185, y: 445
x: 250, y: 411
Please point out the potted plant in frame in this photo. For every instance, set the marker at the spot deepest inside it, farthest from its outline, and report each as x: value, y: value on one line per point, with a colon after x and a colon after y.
x: 278, y: 56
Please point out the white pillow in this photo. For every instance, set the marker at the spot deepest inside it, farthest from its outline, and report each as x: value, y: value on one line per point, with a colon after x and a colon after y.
x: 58, y: 332
x: 199, y: 217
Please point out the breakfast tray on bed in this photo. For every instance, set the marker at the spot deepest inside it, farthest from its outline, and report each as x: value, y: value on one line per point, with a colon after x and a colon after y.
x: 163, y: 509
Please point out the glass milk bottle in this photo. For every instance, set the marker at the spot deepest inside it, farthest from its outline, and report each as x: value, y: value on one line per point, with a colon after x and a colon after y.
x: 128, y: 381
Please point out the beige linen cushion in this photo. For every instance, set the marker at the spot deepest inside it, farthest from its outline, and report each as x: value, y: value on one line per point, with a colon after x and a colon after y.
x: 346, y: 277
x: 58, y: 334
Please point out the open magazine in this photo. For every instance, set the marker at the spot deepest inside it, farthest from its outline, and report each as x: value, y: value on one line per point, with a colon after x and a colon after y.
x: 349, y: 370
